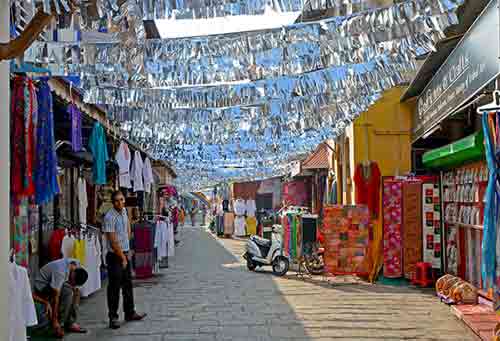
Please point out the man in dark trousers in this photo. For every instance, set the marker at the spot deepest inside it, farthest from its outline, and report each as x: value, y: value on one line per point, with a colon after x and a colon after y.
x: 56, y: 286
x: 117, y: 247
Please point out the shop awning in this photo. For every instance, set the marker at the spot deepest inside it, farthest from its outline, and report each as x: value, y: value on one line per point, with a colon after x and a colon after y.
x: 318, y: 159
x: 467, y: 149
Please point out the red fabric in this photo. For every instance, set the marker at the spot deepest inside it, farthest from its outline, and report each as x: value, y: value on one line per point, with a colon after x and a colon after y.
x: 55, y: 243
x: 320, y: 237
x: 29, y: 129
x: 368, y: 189
x: 17, y: 140
x: 246, y: 190
x: 297, y: 192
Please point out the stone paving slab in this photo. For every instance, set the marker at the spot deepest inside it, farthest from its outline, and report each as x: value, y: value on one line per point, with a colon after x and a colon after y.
x: 208, y: 294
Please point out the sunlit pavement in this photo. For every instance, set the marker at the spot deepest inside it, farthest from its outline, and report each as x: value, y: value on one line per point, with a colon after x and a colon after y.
x: 208, y: 294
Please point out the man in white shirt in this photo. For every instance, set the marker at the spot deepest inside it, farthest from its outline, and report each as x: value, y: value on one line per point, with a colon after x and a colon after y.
x: 116, y: 248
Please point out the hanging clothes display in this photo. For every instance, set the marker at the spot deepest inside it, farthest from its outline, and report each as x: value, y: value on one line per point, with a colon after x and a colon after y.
x: 45, y: 171
x: 228, y: 223
x: 99, y: 149
x: 22, y: 311
x: 82, y: 200
x: 147, y: 174
x: 346, y: 231
x: 123, y: 157
x: 92, y: 265
x: 393, y: 247
x: 488, y: 258
x: 161, y: 239
x: 21, y: 234
x: 239, y: 220
x: 76, y: 127
x: 55, y: 243
x: 431, y: 222
x: 251, y: 208
x: 18, y: 161
x: 136, y: 172
x: 412, y: 231
x: 251, y: 223
x: 367, y: 181
x: 80, y: 251
x: 30, y: 121
x: 143, y: 247
x: 67, y: 246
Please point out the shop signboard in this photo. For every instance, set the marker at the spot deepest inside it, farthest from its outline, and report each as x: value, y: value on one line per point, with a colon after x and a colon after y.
x: 470, y: 67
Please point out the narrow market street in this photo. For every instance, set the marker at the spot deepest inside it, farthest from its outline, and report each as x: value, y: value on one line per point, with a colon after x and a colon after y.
x: 208, y: 294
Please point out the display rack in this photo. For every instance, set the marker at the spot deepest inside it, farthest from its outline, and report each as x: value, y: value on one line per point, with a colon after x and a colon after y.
x: 463, y: 209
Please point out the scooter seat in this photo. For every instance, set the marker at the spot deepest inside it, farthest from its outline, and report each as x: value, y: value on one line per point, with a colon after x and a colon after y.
x: 261, y: 241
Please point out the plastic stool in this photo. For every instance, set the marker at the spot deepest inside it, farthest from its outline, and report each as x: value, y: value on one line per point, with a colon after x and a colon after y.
x: 424, y: 274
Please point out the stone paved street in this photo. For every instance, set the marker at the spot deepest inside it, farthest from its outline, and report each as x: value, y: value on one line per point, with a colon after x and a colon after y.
x: 208, y: 294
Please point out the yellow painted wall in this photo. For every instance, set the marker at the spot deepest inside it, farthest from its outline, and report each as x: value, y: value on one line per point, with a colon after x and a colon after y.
x: 381, y: 134
x: 388, y: 124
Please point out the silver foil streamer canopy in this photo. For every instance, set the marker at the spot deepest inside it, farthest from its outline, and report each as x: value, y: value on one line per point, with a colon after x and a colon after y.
x: 241, y: 106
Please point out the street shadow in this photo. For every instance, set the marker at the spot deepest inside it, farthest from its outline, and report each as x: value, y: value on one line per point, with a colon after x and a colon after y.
x: 358, y: 285
x: 206, y: 294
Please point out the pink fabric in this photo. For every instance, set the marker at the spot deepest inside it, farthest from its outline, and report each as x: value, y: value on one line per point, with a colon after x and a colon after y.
x: 143, y: 252
x: 297, y: 192
x: 393, y: 246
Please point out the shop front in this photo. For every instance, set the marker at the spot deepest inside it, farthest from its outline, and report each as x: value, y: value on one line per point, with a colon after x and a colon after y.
x: 67, y: 160
x: 450, y: 141
x: 362, y: 166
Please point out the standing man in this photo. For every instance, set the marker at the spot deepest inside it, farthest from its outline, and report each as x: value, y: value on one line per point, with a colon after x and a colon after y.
x: 56, y: 287
x: 117, y: 247
x: 194, y: 209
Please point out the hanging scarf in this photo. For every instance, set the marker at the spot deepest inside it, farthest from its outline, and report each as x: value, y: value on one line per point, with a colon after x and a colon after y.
x: 76, y: 128
x: 45, y: 158
x: 29, y: 131
x: 488, y: 259
x: 99, y: 149
x: 17, y: 137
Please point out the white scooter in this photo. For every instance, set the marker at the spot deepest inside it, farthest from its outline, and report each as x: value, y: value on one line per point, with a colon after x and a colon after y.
x: 261, y: 252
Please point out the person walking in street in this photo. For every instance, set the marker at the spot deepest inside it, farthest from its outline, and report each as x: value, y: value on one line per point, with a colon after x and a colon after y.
x: 117, y: 233
x: 56, y: 287
x: 182, y: 216
x: 194, y: 209
x: 203, y: 214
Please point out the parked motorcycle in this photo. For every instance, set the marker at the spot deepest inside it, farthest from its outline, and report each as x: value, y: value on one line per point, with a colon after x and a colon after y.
x: 263, y: 252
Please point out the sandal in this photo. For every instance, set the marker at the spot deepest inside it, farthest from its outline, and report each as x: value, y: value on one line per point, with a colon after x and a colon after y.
x: 77, y: 329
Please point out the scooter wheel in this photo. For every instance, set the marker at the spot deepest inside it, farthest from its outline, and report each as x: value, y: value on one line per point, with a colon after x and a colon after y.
x: 251, y: 265
x: 280, y: 266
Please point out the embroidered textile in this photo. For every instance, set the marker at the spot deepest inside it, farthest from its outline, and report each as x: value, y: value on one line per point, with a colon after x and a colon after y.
x: 393, y: 247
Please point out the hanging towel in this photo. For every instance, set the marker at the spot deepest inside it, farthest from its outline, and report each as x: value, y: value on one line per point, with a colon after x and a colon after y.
x: 99, y: 149
x: 161, y: 239
x: 123, y: 158
x: 147, y: 174
x: 136, y: 172
x: 82, y: 200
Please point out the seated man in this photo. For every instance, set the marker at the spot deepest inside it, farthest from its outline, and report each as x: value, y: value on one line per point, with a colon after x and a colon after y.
x: 56, y: 286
